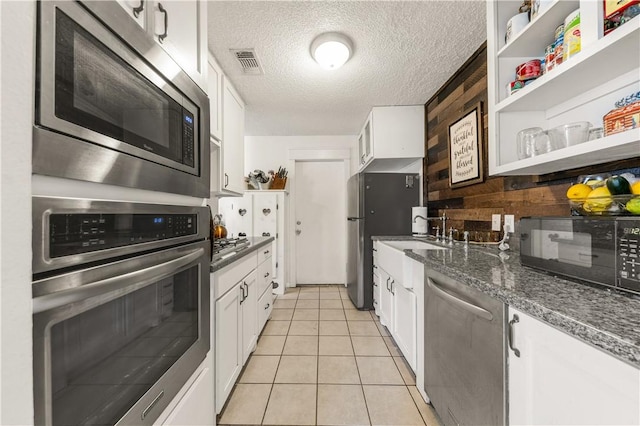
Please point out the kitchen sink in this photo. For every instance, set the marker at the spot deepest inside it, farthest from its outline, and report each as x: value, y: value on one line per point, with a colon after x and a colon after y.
x: 392, y: 259
x: 413, y: 245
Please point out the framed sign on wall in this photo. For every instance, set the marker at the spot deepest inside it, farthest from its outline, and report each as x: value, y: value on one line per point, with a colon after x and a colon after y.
x: 465, y: 149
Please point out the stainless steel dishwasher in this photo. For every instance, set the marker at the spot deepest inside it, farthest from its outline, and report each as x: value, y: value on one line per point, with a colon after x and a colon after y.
x: 464, y: 353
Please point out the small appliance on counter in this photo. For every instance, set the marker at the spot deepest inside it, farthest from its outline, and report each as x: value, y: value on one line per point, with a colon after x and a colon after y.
x: 419, y: 223
x: 602, y: 250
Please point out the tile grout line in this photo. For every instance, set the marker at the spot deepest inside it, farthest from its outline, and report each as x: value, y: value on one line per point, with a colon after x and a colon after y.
x: 364, y: 396
x: 277, y: 367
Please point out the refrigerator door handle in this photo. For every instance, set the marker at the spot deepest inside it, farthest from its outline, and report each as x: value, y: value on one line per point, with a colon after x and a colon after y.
x: 353, y: 219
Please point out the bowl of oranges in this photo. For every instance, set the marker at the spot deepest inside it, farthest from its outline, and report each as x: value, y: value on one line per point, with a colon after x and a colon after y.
x: 605, y: 195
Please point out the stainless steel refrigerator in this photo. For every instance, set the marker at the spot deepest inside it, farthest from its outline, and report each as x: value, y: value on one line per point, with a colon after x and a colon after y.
x: 377, y: 204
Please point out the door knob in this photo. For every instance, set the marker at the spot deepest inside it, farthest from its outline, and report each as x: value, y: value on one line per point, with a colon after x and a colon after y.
x: 298, y: 223
x: 298, y: 231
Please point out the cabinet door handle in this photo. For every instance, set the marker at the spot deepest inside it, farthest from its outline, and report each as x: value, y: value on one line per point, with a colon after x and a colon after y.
x: 247, y: 287
x: 140, y: 8
x: 515, y: 320
x: 242, y: 297
x: 375, y: 267
x: 266, y: 234
x: 162, y: 36
x: 226, y: 180
x: 266, y: 252
x: 267, y: 307
x: 266, y: 275
x: 392, y: 282
x: 388, y: 278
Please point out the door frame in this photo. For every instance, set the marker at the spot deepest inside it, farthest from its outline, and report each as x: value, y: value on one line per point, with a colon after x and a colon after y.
x: 311, y: 155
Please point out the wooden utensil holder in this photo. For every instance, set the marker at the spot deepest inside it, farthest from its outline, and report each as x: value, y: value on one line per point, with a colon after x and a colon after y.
x: 278, y: 183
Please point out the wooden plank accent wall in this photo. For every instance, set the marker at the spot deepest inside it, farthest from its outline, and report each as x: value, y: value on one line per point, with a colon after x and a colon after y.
x: 470, y: 208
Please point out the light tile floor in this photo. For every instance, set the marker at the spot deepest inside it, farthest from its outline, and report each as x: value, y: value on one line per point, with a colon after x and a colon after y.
x: 320, y: 361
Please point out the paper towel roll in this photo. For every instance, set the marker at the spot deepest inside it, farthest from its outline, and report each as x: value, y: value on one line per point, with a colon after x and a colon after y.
x: 419, y: 226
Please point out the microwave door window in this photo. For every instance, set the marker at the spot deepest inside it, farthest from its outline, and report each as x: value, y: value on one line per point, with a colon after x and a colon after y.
x: 567, y: 247
x: 96, y: 89
x: 103, y: 360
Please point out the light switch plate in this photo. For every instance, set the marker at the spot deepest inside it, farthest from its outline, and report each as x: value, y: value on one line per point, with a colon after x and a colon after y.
x: 495, y: 222
x: 509, y: 220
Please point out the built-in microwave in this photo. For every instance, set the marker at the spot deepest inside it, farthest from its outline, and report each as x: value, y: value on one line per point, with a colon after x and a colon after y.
x: 601, y: 250
x: 105, y: 112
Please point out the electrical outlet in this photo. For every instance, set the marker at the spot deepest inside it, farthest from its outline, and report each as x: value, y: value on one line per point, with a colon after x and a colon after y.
x: 509, y: 220
x: 495, y: 222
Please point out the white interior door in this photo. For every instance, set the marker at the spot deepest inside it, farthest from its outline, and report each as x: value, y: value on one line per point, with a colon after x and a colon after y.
x: 320, y: 193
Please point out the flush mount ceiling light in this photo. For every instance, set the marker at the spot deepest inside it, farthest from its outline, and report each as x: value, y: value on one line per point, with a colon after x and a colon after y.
x: 331, y: 50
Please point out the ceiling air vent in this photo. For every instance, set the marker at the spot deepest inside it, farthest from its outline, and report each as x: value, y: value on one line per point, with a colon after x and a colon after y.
x: 248, y: 61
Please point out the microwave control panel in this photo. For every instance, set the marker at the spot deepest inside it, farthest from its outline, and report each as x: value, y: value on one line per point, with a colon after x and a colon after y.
x: 71, y: 234
x: 628, y: 253
x: 188, y: 140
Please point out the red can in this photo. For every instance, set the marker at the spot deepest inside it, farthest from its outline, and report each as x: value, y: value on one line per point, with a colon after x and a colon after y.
x: 529, y: 70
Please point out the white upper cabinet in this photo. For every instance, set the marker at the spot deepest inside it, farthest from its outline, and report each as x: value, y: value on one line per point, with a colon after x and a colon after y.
x: 180, y: 28
x: 391, y: 138
x: 584, y: 87
x: 232, y: 141
x: 135, y: 9
x: 214, y: 92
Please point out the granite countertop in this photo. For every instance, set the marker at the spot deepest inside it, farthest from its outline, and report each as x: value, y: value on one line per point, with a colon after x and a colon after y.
x: 605, y: 318
x: 254, y: 244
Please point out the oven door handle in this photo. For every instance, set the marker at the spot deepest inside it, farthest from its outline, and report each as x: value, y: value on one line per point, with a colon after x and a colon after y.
x: 120, y: 283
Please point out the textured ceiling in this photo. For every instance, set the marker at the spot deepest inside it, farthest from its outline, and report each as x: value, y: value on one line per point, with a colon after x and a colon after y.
x: 403, y: 52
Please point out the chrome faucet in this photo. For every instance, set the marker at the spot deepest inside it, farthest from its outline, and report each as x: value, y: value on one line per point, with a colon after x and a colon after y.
x: 443, y: 218
x: 451, y: 231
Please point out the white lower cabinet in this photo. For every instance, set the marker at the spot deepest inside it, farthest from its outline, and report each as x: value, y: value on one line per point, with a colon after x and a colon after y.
x: 265, y: 306
x: 557, y: 379
x: 404, y: 321
x: 386, y: 300
x: 249, y: 315
x: 243, y: 303
x: 228, y: 347
x: 236, y: 326
x: 192, y: 405
x: 398, y: 312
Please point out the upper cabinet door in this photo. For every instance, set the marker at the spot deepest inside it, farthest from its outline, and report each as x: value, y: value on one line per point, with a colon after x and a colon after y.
x: 136, y: 9
x: 215, y: 98
x: 180, y: 28
x: 232, y: 140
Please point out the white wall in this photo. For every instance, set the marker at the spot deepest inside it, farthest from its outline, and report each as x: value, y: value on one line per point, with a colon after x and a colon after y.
x: 270, y: 152
x: 17, y: 26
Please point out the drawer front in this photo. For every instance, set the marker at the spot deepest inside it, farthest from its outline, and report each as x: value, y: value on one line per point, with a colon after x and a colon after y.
x: 265, y: 305
x: 230, y: 275
x: 265, y: 275
x: 265, y: 252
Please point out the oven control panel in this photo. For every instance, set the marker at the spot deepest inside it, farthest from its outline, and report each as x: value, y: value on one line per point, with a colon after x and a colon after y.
x: 71, y: 234
x: 628, y: 253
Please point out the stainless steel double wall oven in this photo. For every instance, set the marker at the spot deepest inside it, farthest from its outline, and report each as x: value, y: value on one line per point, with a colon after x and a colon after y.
x: 112, y: 106
x: 121, y: 310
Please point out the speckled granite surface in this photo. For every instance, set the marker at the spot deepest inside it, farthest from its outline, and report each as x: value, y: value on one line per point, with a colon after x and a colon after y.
x: 254, y: 244
x: 605, y: 318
